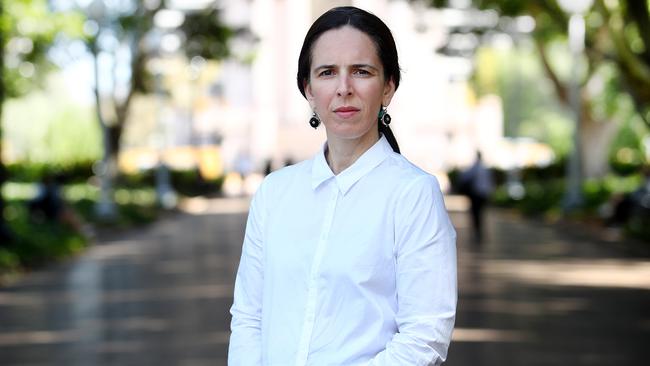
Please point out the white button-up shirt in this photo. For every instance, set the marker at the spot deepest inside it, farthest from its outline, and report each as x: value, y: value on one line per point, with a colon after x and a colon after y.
x: 357, y: 268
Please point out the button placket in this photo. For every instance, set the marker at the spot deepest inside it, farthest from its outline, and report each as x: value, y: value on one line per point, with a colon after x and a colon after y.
x: 312, y: 292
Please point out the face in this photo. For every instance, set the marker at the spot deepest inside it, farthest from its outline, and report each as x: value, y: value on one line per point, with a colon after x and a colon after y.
x: 346, y: 86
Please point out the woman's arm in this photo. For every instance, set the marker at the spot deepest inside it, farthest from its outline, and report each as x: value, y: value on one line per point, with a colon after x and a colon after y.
x: 245, y: 341
x: 426, y: 278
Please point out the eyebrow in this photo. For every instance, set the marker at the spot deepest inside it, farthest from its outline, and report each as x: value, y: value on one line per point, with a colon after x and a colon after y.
x: 354, y: 66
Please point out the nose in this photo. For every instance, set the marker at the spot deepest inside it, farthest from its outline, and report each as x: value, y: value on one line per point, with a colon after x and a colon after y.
x: 344, y: 87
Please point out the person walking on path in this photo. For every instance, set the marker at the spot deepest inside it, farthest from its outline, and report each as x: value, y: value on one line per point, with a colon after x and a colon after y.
x: 477, y: 184
x: 49, y: 205
x: 349, y: 258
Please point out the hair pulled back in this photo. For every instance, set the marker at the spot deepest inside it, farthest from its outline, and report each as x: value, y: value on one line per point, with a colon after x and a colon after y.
x: 367, y: 23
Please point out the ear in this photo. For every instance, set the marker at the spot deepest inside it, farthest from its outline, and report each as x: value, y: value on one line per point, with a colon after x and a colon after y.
x: 389, y: 91
x: 308, y: 94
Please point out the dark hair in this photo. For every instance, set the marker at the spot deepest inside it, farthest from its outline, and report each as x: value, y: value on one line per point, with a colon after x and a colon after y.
x: 367, y: 23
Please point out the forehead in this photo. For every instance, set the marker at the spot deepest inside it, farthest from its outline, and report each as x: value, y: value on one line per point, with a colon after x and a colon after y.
x: 345, y: 45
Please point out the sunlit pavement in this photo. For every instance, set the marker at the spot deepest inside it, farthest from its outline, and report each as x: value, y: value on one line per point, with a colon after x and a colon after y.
x: 531, y: 294
x: 546, y: 294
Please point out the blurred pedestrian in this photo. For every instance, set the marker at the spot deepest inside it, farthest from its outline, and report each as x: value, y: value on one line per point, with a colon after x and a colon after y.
x: 477, y: 184
x: 628, y: 204
x: 349, y: 258
x: 49, y: 205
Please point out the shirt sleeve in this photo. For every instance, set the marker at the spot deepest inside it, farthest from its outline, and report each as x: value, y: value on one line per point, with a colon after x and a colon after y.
x: 245, y: 346
x: 425, y: 250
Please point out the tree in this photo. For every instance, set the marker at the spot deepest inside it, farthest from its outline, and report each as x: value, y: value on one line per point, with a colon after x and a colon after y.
x: 617, y: 38
x: 27, y: 30
x: 5, y: 235
x: 131, y: 28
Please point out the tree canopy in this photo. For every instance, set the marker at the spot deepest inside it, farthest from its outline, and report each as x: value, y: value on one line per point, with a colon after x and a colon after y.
x: 201, y: 33
x: 617, y: 33
x: 29, y: 28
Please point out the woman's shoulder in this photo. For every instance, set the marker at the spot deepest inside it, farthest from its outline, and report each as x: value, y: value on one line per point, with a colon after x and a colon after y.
x: 284, y: 176
x: 408, y: 174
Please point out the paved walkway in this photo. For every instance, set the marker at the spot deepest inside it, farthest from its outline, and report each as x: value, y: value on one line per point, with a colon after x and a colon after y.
x: 531, y: 294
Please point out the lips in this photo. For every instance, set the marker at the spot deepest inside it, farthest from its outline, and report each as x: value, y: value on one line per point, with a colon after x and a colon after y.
x: 346, y: 111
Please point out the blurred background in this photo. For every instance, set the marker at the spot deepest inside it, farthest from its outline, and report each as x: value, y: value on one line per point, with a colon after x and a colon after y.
x: 137, y: 103
x: 119, y: 116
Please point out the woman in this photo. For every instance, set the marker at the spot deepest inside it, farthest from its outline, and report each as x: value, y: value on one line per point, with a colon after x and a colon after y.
x: 349, y: 258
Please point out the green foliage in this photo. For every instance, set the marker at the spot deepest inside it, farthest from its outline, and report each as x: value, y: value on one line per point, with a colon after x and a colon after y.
x: 617, y: 36
x: 542, y: 197
x: 38, y: 243
x: 607, y: 101
x: 202, y: 33
x: 529, y: 104
x: 9, y: 261
x: 550, y: 172
x: 185, y: 182
x: 129, y: 214
x: 639, y: 225
x: 134, y: 189
x: 190, y: 183
x: 79, y: 171
x: 626, y: 154
x: 595, y: 193
x: 42, y: 242
x: 544, y: 191
x: 551, y: 127
x: 616, y: 89
x: 610, y: 190
x: 47, y: 127
x: 206, y: 37
x: 28, y: 30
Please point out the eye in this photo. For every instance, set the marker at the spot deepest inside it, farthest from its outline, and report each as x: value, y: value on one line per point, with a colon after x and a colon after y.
x: 326, y: 72
x: 361, y: 72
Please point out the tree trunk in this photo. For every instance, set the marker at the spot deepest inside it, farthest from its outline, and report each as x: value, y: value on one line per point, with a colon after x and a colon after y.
x: 597, y: 137
x: 105, y: 207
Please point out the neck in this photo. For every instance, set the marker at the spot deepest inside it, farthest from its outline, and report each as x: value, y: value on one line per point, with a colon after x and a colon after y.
x: 340, y: 153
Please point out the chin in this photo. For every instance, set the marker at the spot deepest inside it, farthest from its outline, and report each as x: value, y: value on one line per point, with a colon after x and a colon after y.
x: 351, y: 133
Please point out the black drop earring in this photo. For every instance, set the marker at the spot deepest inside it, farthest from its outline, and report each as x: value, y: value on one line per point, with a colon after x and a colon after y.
x: 384, y: 117
x: 314, y: 121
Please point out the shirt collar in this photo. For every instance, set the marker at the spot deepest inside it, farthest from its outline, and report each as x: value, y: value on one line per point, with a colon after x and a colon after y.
x: 320, y: 171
